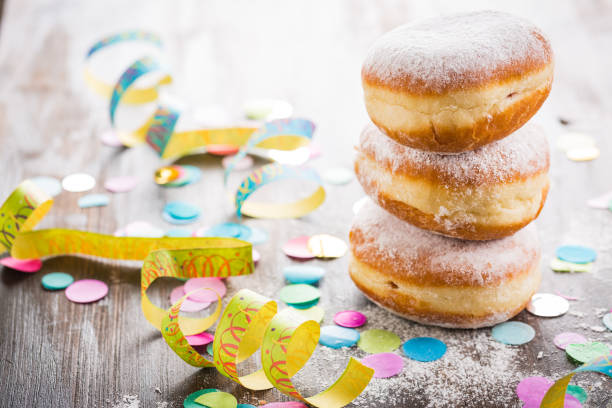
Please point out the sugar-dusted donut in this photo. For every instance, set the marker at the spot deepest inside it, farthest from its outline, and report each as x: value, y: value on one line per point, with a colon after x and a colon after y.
x: 442, y: 281
x: 455, y: 83
x: 487, y: 193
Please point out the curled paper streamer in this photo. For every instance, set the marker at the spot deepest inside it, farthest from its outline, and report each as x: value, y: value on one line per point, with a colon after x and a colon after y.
x: 555, y: 396
x: 287, y: 340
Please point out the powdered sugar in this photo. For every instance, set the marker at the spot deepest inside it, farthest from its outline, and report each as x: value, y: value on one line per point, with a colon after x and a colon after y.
x: 453, y: 52
x: 520, y: 155
x: 413, y: 251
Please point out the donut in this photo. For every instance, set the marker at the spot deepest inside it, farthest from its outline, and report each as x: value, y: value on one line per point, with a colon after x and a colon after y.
x: 455, y: 83
x: 488, y: 193
x: 435, y: 280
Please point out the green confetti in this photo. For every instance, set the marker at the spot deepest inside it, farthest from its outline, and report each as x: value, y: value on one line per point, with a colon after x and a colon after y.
x: 217, y: 400
x: 558, y: 265
x: 577, y: 392
x: 378, y: 341
x: 299, y: 293
x: 190, y: 400
x: 583, y: 353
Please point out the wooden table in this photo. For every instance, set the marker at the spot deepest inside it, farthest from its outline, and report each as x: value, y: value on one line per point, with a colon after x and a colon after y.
x: 57, y: 353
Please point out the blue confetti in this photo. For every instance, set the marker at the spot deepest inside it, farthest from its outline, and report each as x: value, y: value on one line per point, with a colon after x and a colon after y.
x: 513, y: 333
x: 229, y: 230
x: 576, y: 254
x: 336, y: 337
x: 56, y: 281
x: 93, y: 200
x: 303, y: 273
x: 424, y: 349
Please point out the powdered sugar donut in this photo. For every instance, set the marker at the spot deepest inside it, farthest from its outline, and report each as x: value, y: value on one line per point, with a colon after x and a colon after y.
x: 487, y: 193
x: 442, y: 281
x: 455, y: 83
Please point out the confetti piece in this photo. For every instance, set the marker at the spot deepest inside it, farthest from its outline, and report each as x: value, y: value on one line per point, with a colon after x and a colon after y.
x: 547, y: 305
x: 217, y: 400
x: 267, y: 109
x: 177, y: 221
x: 287, y: 404
x: 56, y: 281
x: 326, y: 246
x: 338, y: 176
x: 558, y: 265
x: 315, y: 313
x: 86, y: 291
x: 576, y: 254
x: 304, y: 306
x: 256, y: 256
x: 49, y: 185
x: 602, y: 202
x: 298, y: 248
x: 385, y: 365
x: 303, y: 273
x: 222, y: 149
x: 229, y: 230
x: 181, y: 210
x: 244, y: 163
x: 607, y: 321
x: 531, y: 391
x: 581, y: 154
x: 109, y: 138
x: 513, y: 333
x: 167, y: 174
x: 258, y: 236
x: 577, y: 392
x: 78, y: 182
x: 215, y: 284
x: 424, y: 349
x: 359, y: 203
x: 209, y: 349
x: 188, y: 305
x: 190, y: 400
x: 574, y: 140
x: 93, y: 200
x: 245, y: 406
x: 562, y: 340
x: 299, y: 293
x: 585, y: 352
x: 121, y: 184
x: 22, y: 265
x: 378, y: 341
x: 178, y: 233
x: 190, y: 175
x: 350, y: 318
x: 201, y: 339
x: 336, y: 337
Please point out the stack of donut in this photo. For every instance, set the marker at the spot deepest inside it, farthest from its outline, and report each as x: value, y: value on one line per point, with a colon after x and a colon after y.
x: 454, y: 172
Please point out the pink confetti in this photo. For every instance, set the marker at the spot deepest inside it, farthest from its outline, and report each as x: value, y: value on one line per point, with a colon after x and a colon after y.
x: 564, y: 339
x: 86, y: 291
x: 385, y: 365
x: 288, y: 404
x: 215, y: 284
x: 121, y: 184
x: 256, y: 256
x: 222, y: 149
x: 110, y: 138
x: 531, y: 391
x: 201, y: 339
x: 188, y: 305
x: 350, y: 318
x: 566, y: 297
x: 298, y: 248
x: 22, y: 265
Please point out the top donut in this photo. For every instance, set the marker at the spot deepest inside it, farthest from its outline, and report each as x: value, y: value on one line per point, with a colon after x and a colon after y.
x: 455, y: 83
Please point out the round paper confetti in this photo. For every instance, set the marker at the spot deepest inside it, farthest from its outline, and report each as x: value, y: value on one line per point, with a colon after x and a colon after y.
x: 181, y: 210
x: 93, y: 200
x: 121, y: 184
x: 56, y: 280
x: 585, y: 352
x: 583, y: 154
x: 315, y: 313
x: 245, y: 406
x: 350, y: 318
x: 190, y: 400
x: 326, y: 246
x: 109, y: 138
x: 378, y: 341
x: 304, y: 306
x: 338, y: 176
x: 222, y: 149
x: 424, y: 349
x: 607, y: 321
x: 209, y: 348
x: 166, y: 174
x: 229, y: 230
x: 215, y: 284
x: 547, y: 305
x: 217, y: 400
x: 188, y: 304
x: 49, y: 185
x: 178, y: 233
x: 243, y: 164
x: 78, y: 182
x: 513, y: 333
x: 531, y: 391
x: 303, y: 273
x: 177, y: 221
x: 298, y: 248
x: 558, y: 265
x: 562, y: 340
x: 267, y: 109
x: 200, y: 339
x: 22, y: 265
x: 299, y: 293
x: 189, y: 175
x: 336, y: 337
x: 385, y: 365
x: 86, y: 291
x: 577, y: 392
x: 576, y: 254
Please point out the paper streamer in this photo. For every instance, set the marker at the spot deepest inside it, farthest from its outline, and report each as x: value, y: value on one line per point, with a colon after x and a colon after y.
x: 287, y: 340
x: 555, y: 396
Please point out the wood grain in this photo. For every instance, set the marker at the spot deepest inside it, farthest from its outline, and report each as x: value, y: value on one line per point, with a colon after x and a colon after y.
x: 56, y: 353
